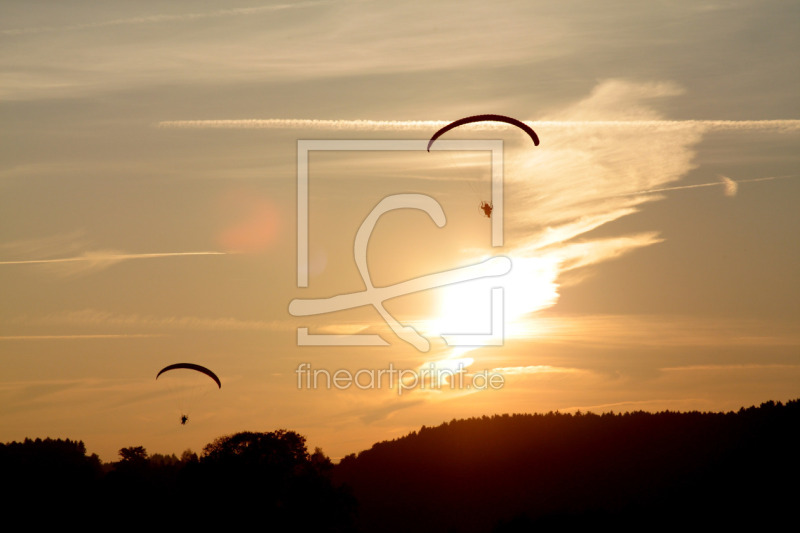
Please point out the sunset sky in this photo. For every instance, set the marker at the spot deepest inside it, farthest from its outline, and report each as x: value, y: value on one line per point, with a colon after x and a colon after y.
x: 149, y: 210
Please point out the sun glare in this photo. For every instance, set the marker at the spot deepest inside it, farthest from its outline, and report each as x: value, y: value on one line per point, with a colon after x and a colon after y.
x: 466, y: 307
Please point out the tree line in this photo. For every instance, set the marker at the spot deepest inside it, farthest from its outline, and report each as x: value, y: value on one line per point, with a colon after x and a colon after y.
x: 262, y: 478
x: 502, y: 473
x: 634, y: 471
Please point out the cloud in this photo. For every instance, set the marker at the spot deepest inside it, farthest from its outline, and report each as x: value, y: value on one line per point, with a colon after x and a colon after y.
x: 44, y: 247
x: 580, y: 179
x: 659, y: 331
x: 95, y: 261
x: 619, y: 99
x: 430, y: 126
x: 536, y: 369
x: 386, y: 409
x: 108, y: 256
x: 23, y: 397
x: 731, y: 367
x: 730, y: 186
x: 93, y: 317
x: 159, y: 19
x: 73, y: 337
x: 327, y: 40
x: 600, y: 160
x: 586, y: 174
x: 44, y: 252
x: 305, y: 124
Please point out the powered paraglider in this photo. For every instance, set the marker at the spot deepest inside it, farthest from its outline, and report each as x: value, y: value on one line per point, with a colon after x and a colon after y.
x: 187, y: 387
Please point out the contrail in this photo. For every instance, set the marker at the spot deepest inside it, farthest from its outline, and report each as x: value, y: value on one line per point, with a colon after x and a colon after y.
x: 295, y: 123
x: 399, y: 125
x: 729, y: 184
x: 109, y: 257
x: 78, y: 337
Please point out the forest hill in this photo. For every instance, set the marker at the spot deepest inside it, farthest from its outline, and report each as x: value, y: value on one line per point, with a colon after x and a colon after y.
x: 502, y: 473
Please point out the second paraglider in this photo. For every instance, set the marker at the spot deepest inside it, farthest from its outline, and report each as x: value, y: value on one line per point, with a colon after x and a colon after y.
x: 187, y: 384
x: 486, y: 207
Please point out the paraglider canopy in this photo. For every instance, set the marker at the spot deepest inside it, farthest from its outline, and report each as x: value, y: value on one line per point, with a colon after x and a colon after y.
x: 486, y: 206
x: 486, y: 118
x: 192, y: 366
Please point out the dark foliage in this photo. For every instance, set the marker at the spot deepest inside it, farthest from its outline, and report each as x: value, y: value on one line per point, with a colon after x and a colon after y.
x: 633, y: 471
x: 59, y: 463
x: 271, y: 476
x: 247, y: 479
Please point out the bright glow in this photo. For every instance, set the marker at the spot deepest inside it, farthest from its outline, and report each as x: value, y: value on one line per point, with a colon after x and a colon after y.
x: 466, y: 307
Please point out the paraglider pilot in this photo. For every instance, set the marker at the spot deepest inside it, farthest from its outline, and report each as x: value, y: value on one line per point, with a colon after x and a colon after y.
x: 184, y: 418
x: 487, y: 209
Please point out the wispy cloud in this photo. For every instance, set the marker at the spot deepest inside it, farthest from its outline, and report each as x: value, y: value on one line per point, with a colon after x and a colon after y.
x: 96, y: 318
x: 577, y: 180
x: 386, y: 409
x: 75, y: 337
x: 537, y: 369
x: 289, y: 42
x: 731, y: 186
x: 24, y: 396
x: 731, y: 367
x: 432, y: 125
x: 109, y: 257
x: 99, y: 260
x: 39, y: 248
x: 162, y: 18
x: 587, y: 172
x: 660, y: 331
x: 652, y: 405
x: 300, y: 123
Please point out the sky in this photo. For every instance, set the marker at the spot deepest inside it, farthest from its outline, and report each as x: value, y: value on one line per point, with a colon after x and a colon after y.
x: 150, y: 209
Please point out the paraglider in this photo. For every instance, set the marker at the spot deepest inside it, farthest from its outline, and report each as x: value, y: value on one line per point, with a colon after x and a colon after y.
x: 192, y: 366
x: 486, y: 118
x: 185, y: 391
x: 486, y: 206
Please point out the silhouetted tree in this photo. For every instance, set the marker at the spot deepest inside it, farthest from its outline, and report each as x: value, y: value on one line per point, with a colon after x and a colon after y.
x: 52, y: 473
x: 269, y: 477
x: 133, y: 455
x: 188, y: 456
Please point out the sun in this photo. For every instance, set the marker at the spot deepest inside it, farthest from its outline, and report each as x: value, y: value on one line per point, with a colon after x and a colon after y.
x: 466, y: 307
